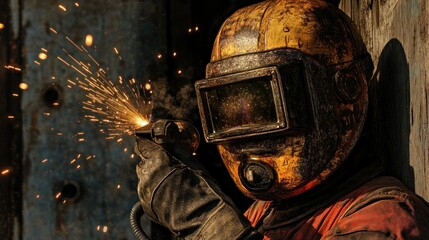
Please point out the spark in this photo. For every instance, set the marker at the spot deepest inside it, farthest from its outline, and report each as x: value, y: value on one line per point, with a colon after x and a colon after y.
x: 62, y: 8
x: 89, y: 39
x: 77, y: 70
x: 74, y: 44
x: 37, y: 196
x: 179, y: 71
x: 140, y: 122
x: 11, y: 117
x: 119, y: 186
x: 117, y: 53
x: 45, y: 160
x: 64, y: 61
x: 70, y: 81
x: 1, y: 25
x: 105, y: 228
x: 196, y: 28
x: 4, y: 172
x: 58, y: 195
x: 174, y: 54
x: 43, y: 56
x: 23, y: 86
x: 76, y: 4
x: 159, y: 56
x: 36, y: 62
x: 190, y: 30
x: 116, y: 105
x: 78, y: 166
x: 15, y: 94
x: 10, y: 67
x: 53, y: 30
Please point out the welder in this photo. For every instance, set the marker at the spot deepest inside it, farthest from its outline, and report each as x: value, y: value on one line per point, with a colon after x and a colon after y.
x: 285, y: 101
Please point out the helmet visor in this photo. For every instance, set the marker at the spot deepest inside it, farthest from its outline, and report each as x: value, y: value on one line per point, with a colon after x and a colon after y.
x: 243, y: 104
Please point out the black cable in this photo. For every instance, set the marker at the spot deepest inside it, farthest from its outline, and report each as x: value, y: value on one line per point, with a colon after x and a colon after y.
x: 135, y: 216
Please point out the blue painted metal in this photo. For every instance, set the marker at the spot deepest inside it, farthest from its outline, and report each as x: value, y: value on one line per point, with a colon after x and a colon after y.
x: 95, y: 207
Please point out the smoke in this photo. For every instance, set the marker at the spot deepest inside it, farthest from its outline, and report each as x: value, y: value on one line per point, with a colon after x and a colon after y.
x: 179, y: 104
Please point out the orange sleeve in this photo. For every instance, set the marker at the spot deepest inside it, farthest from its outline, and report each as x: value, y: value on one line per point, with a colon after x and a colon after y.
x: 398, y: 216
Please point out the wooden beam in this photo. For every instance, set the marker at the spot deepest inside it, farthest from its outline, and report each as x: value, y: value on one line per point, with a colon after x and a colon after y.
x: 396, y: 33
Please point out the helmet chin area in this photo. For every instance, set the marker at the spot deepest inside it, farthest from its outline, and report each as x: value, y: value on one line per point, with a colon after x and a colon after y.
x: 257, y: 176
x: 267, y: 169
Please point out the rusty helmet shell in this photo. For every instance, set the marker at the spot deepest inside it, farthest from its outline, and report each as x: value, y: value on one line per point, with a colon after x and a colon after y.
x: 317, y: 28
x: 324, y: 33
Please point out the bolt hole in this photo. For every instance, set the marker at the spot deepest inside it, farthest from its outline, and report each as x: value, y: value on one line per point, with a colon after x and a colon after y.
x: 70, y: 191
x: 52, y: 96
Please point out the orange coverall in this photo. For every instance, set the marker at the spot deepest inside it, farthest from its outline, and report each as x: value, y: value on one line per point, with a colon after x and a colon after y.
x: 380, y: 209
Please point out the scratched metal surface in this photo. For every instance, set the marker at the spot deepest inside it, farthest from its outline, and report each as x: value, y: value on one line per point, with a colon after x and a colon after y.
x: 95, y: 207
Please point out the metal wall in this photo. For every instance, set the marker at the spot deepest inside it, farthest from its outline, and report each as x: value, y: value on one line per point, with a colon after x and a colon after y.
x: 62, y: 179
x: 77, y: 184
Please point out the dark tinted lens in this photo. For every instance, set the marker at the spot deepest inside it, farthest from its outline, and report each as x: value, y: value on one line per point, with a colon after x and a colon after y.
x: 241, y: 105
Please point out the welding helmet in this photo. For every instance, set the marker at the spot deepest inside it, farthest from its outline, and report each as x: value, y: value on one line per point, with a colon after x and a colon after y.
x: 285, y: 95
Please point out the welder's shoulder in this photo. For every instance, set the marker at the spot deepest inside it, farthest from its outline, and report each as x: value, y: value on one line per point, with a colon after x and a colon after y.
x: 383, y: 209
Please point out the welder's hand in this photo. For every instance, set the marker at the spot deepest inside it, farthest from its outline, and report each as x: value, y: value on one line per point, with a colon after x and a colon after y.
x: 185, y: 200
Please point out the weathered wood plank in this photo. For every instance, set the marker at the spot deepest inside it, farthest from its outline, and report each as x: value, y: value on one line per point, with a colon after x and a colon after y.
x: 396, y: 34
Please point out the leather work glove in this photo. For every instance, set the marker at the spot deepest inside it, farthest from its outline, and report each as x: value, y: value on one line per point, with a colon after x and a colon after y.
x: 185, y: 200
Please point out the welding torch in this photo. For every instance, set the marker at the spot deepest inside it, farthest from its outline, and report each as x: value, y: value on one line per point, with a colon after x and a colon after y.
x: 171, y: 132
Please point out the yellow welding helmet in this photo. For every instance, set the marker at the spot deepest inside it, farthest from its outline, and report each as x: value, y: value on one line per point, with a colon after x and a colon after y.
x: 285, y: 95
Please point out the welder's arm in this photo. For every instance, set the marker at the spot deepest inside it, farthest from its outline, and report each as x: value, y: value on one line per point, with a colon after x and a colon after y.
x: 185, y: 200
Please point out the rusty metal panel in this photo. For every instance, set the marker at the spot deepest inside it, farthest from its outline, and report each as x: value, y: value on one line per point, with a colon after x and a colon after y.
x: 77, y: 184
